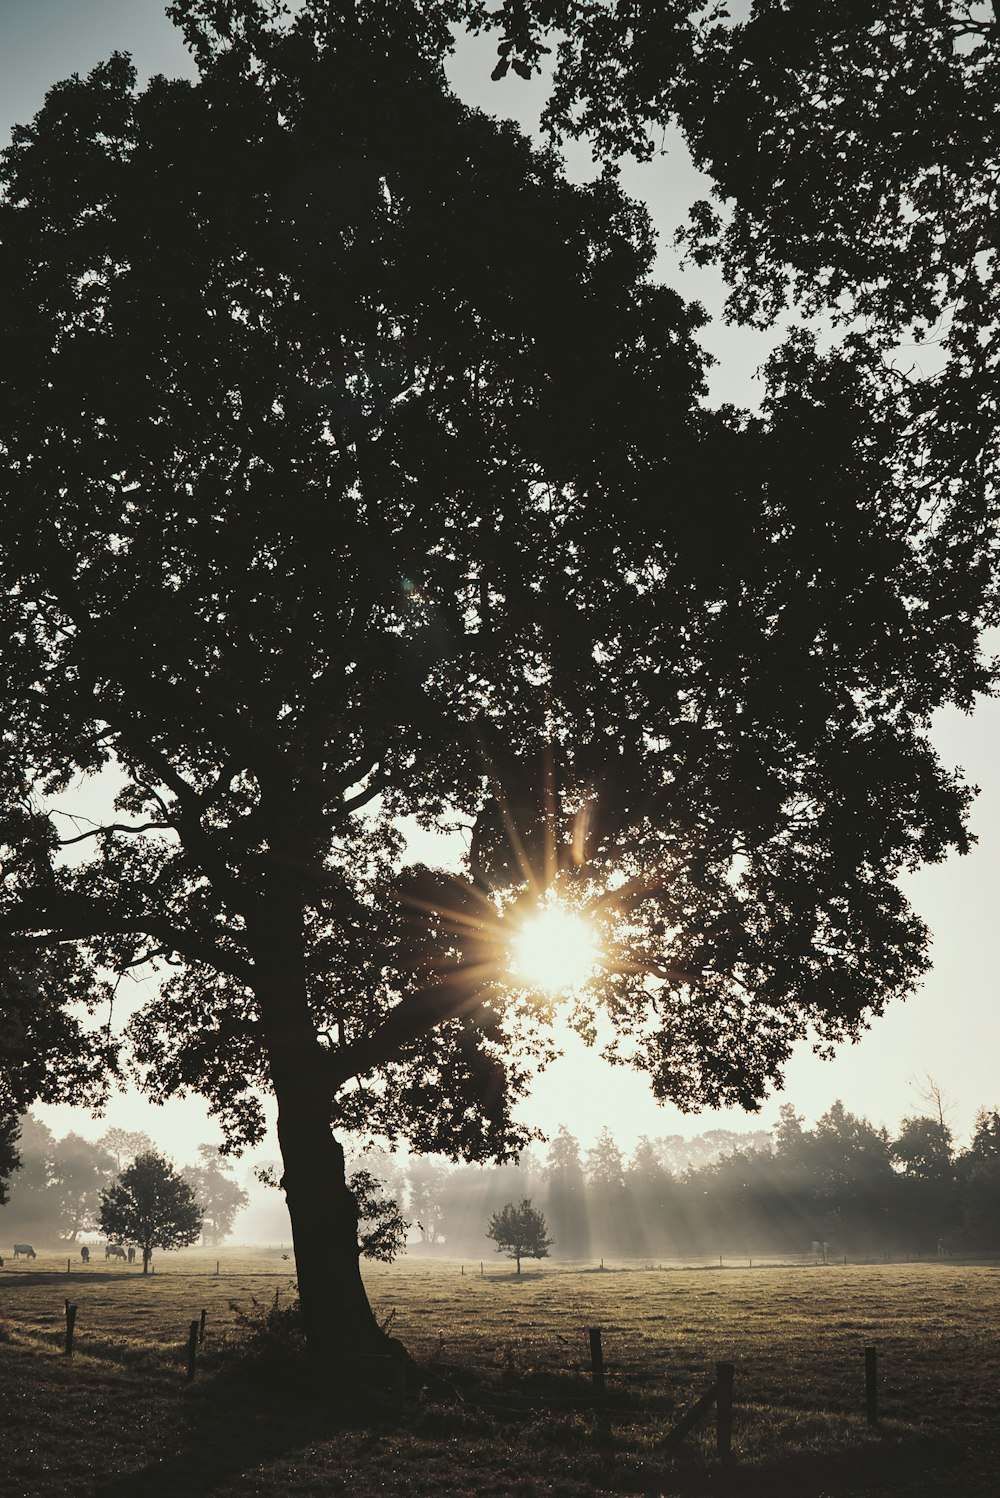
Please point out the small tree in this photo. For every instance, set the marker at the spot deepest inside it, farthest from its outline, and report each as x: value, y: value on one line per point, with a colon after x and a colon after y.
x: 151, y: 1205
x: 520, y: 1232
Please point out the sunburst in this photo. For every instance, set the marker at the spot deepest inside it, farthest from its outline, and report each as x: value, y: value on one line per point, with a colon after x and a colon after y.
x: 555, y: 949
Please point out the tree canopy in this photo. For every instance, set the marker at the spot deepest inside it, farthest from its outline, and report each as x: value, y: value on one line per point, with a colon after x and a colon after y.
x: 356, y: 470
x: 852, y: 155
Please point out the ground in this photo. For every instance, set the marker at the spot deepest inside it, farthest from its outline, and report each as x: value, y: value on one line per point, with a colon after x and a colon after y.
x: 509, y: 1409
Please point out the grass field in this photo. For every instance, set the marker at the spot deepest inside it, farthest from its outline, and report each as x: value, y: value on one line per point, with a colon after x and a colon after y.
x: 510, y: 1411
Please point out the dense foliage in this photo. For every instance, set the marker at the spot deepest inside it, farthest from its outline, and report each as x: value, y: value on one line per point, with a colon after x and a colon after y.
x: 852, y: 152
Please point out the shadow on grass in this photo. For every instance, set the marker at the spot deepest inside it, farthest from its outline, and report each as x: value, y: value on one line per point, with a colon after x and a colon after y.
x: 233, y: 1425
x: 230, y: 1425
x: 914, y: 1466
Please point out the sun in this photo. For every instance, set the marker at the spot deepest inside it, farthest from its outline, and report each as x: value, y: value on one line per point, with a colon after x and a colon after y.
x: 554, y: 950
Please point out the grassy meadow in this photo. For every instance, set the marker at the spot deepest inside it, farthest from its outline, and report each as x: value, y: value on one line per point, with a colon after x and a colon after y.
x: 509, y: 1408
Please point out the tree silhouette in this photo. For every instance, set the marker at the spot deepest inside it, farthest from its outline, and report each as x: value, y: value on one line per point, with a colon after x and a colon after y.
x: 567, y: 1203
x: 80, y: 1170
x: 852, y: 157
x: 151, y: 1205
x: 10, y: 1160
x: 219, y: 1197
x: 520, y: 1232
x: 355, y: 470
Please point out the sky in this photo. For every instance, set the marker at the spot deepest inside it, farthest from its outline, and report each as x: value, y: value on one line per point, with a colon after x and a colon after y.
x: 948, y: 1031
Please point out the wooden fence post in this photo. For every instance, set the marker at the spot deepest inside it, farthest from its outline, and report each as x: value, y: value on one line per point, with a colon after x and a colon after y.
x: 596, y: 1359
x: 871, y: 1385
x: 70, y: 1324
x: 192, y: 1349
x: 724, y: 1409
x: 201, y: 1327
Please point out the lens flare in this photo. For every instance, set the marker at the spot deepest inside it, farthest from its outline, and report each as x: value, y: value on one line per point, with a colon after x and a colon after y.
x: 555, y: 950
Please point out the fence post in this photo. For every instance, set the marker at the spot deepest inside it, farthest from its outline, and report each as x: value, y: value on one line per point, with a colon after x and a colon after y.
x: 70, y: 1324
x: 192, y: 1349
x: 201, y: 1328
x: 871, y: 1385
x: 596, y: 1359
x: 724, y: 1409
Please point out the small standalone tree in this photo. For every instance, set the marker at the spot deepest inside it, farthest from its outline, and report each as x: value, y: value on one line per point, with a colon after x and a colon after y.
x: 152, y: 1205
x: 520, y: 1232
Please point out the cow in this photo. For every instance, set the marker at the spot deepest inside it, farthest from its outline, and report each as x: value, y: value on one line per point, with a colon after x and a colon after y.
x: 113, y: 1251
x: 24, y: 1251
x: 131, y: 1255
x: 85, y: 1254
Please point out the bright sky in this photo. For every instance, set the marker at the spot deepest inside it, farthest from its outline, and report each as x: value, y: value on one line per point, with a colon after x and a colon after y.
x: 949, y: 1030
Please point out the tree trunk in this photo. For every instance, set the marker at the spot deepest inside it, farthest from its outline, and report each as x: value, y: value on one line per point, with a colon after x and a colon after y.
x: 337, y: 1317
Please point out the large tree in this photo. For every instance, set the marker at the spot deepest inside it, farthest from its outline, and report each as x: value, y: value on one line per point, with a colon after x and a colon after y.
x: 355, y: 470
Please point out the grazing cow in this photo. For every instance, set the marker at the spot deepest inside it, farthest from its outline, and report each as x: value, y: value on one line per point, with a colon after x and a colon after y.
x: 85, y: 1254
x: 113, y: 1251
x: 24, y: 1251
x: 131, y: 1255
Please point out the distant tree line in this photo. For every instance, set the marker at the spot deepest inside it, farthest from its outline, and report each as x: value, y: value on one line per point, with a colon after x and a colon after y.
x: 54, y: 1186
x: 845, y: 1182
